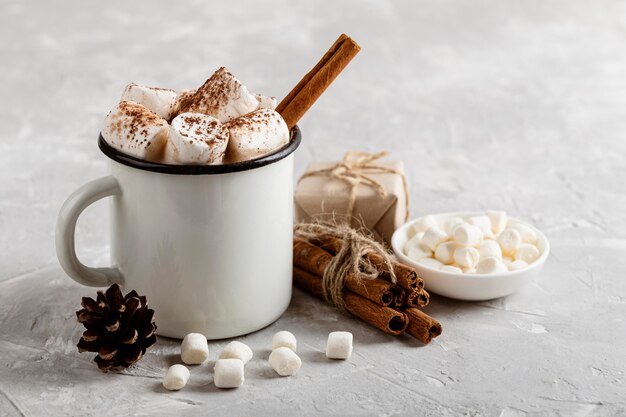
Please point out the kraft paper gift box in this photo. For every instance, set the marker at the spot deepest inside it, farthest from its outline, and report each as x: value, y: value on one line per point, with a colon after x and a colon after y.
x: 320, y: 195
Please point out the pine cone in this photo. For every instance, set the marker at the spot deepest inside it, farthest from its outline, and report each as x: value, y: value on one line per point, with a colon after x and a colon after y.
x: 119, y: 328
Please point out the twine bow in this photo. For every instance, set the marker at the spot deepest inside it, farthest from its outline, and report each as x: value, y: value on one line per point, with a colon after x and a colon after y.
x: 353, y: 169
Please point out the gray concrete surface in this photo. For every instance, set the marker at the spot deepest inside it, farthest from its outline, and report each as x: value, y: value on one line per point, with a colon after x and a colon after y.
x: 513, y: 105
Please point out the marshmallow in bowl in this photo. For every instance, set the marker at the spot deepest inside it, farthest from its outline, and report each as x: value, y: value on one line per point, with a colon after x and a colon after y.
x: 221, y: 96
x: 255, y: 134
x: 158, y: 100
x: 485, y: 243
x: 196, y: 139
x: 266, y: 102
x: 135, y: 130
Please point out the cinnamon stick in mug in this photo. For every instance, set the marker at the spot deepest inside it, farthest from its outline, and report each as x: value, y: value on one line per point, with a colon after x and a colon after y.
x: 383, y: 318
x: 316, y: 81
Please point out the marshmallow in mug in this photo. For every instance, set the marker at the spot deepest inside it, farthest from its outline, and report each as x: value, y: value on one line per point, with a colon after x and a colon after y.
x: 255, y: 134
x: 158, y: 100
x: 135, y: 130
x: 221, y: 96
x: 484, y: 244
x: 196, y: 139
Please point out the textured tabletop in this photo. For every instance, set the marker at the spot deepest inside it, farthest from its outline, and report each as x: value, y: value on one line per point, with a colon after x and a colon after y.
x: 510, y: 105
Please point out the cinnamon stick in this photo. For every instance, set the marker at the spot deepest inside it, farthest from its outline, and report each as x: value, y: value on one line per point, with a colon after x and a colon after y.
x: 383, y: 318
x: 406, y: 276
x: 422, y: 326
x: 417, y: 298
x: 315, y: 260
x: 316, y: 81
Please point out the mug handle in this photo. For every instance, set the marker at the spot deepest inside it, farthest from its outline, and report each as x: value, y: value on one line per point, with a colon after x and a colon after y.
x: 66, y: 228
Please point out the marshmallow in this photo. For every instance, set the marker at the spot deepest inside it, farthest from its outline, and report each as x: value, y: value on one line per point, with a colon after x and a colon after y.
x: 194, y: 350
x: 527, y: 253
x: 451, y: 223
x: 467, y: 234
x: 490, y: 266
x: 256, y: 134
x: 284, y: 339
x: 236, y: 350
x: 416, y: 253
x: 176, y: 377
x: 527, y: 234
x: 339, y: 345
x: 196, y: 139
x: 423, y: 223
x: 158, y: 100
x: 451, y: 268
x: 285, y: 361
x: 228, y: 373
x: 135, y: 130
x: 516, y: 265
x: 469, y: 270
x: 433, y: 236
x: 221, y: 96
x: 490, y: 248
x: 498, y: 220
x: 445, y: 252
x: 415, y: 241
x: 483, y: 223
x: 509, y: 240
x: 266, y: 102
x: 467, y: 257
x: 430, y: 262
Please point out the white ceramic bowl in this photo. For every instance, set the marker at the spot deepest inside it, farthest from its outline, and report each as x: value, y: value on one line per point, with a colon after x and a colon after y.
x: 470, y: 287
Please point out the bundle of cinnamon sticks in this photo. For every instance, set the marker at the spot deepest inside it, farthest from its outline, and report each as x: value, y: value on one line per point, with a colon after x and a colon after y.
x: 390, y: 307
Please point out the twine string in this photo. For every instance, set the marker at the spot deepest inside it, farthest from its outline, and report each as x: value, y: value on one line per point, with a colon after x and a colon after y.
x: 350, y: 260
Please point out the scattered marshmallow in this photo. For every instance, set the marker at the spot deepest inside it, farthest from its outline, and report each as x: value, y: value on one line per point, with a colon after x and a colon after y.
x: 284, y: 339
x: 451, y: 268
x: 527, y: 253
x: 196, y: 139
x: 490, y: 248
x: 339, y: 345
x: 221, y: 96
x: 527, y: 234
x: 194, y: 349
x: 445, y: 252
x: 423, y: 223
x: 430, y: 262
x: 176, y: 377
x: 158, y: 100
x: 490, y: 266
x: 509, y: 240
x: 228, y: 373
x: 236, y: 350
x: 256, y: 134
x: 135, y: 130
x: 285, y: 361
x: 467, y: 234
x: 467, y: 257
x: 266, y: 102
x: 433, y: 236
x: 498, y: 220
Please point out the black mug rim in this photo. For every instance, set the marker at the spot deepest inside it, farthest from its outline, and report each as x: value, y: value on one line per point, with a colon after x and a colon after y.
x: 295, y: 137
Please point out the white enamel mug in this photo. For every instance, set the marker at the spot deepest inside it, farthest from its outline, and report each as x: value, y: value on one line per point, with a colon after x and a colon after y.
x: 210, y: 246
